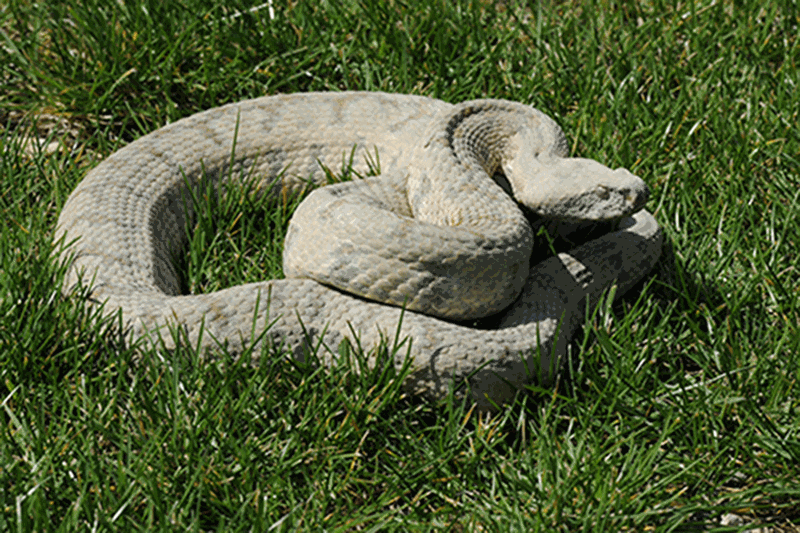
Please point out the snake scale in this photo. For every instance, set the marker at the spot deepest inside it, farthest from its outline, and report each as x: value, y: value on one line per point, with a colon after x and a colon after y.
x: 439, y: 230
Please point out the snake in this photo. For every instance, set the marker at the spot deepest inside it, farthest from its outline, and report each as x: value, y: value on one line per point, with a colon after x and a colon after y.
x: 434, y: 233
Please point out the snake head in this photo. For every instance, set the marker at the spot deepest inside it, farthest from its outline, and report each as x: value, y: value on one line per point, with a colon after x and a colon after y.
x: 573, y: 189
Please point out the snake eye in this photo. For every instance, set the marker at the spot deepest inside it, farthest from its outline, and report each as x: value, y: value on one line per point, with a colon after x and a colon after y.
x: 602, y: 192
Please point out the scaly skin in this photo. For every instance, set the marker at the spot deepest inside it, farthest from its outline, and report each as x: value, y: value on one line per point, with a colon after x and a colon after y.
x: 127, y: 220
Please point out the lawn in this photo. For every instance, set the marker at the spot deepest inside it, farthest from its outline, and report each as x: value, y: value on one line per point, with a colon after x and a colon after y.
x: 678, y: 408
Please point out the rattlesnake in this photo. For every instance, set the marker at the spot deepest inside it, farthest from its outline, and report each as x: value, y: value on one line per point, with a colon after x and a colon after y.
x: 126, y: 220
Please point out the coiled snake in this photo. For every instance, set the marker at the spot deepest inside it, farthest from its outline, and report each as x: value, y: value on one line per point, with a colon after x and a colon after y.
x: 439, y: 231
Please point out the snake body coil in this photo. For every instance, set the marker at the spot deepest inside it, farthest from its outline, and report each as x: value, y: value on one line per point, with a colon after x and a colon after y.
x: 437, y: 230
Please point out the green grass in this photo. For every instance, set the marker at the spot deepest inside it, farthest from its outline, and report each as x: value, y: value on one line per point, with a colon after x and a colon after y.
x: 678, y: 405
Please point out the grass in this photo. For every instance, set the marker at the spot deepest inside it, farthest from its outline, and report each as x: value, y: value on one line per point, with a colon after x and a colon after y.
x: 679, y: 406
